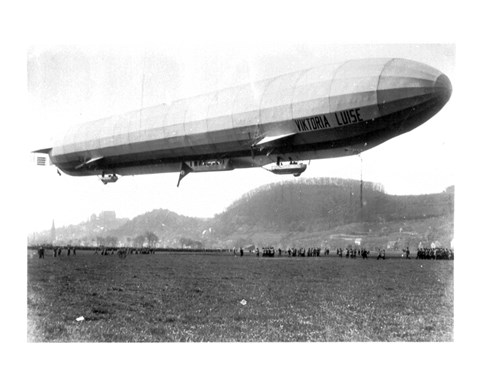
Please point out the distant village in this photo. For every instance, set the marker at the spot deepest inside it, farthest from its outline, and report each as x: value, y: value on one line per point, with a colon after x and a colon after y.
x: 88, y: 233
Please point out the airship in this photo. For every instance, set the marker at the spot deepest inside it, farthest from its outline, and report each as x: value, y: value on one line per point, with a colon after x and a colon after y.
x: 333, y: 110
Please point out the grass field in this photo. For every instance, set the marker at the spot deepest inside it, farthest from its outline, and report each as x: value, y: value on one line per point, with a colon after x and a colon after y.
x: 171, y: 297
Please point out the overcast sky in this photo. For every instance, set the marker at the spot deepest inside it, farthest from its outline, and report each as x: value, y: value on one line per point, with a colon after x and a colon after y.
x: 72, y: 84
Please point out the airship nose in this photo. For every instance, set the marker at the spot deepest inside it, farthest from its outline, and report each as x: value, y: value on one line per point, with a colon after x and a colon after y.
x: 443, y: 88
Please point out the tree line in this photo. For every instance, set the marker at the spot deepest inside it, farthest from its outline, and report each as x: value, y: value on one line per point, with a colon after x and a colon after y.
x: 148, y: 238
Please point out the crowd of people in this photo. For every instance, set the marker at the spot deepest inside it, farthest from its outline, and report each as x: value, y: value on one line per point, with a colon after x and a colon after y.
x: 354, y: 252
x: 313, y: 252
x: 291, y: 252
x: 348, y: 252
x: 435, y: 253
x: 104, y: 251
x: 56, y: 251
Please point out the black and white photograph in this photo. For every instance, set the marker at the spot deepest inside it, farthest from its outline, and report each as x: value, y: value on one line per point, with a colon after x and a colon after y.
x: 295, y: 200
x: 248, y: 197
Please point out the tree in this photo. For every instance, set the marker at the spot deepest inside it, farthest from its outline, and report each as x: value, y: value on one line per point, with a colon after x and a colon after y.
x: 190, y: 243
x: 138, y: 241
x: 152, y: 238
x: 111, y: 241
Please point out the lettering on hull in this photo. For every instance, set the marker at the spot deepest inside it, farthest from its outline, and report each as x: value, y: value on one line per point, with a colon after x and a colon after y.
x: 312, y: 123
x: 210, y: 165
x: 336, y: 119
x: 350, y: 116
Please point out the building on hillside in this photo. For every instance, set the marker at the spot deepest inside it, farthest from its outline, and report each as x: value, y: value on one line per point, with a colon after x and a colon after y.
x: 103, y: 217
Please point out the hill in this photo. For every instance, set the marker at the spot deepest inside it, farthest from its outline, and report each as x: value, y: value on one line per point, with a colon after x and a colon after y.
x: 315, y: 211
x: 300, y: 213
x: 171, y: 229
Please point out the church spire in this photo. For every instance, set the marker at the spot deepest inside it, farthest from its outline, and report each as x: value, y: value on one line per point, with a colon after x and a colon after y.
x: 53, y: 236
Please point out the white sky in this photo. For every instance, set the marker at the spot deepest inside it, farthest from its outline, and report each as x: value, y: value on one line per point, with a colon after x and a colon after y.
x: 72, y: 84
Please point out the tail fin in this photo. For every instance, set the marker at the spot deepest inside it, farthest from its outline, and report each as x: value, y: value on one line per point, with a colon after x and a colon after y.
x: 44, y: 150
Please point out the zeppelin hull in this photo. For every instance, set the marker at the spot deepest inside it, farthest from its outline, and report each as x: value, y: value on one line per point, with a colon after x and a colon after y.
x: 329, y: 111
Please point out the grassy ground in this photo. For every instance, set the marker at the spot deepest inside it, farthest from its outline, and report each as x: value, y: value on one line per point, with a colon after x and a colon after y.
x: 193, y: 297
